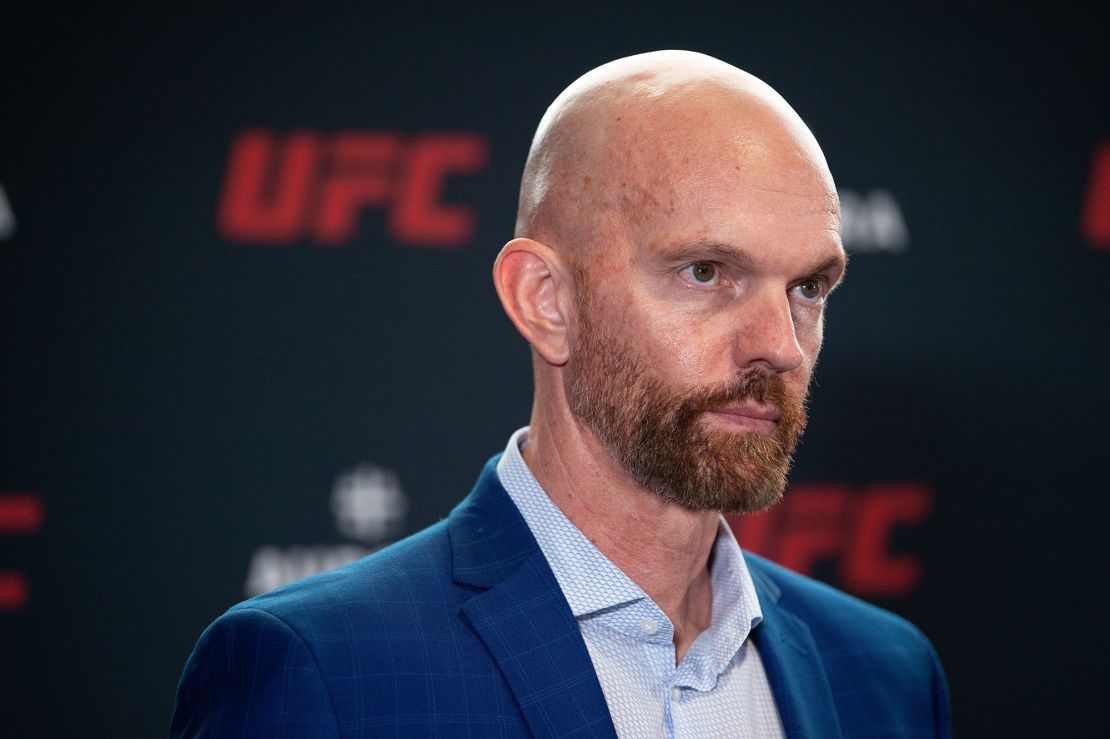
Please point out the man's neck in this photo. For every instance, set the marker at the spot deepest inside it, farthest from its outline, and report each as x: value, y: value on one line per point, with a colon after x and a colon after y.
x: 662, y: 547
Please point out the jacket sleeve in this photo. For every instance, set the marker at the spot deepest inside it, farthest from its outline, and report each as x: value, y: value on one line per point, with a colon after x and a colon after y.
x: 942, y: 712
x: 252, y: 675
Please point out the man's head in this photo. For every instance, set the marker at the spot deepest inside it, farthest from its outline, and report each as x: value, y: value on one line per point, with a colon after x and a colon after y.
x: 677, y: 234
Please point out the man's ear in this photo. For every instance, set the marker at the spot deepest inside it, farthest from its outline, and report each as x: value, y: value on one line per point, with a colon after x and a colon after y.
x: 529, y: 280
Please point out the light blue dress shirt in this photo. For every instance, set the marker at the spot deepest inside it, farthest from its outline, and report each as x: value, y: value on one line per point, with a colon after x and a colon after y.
x: 720, y: 688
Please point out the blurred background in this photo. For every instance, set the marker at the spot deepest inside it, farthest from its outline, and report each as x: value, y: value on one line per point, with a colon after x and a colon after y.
x: 248, y: 331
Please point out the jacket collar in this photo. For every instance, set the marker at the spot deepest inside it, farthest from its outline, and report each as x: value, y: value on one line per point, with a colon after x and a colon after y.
x: 522, y: 617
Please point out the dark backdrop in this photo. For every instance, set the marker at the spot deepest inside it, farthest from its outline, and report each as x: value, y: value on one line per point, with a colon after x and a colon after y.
x: 211, y: 385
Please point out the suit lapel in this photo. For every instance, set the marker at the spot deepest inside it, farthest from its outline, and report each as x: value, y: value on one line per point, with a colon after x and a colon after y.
x: 527, y: 626
x: 793, y: 665
x: 522, y: 617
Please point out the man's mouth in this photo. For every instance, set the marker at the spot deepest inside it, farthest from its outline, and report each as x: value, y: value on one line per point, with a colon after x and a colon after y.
x: 748, y: 416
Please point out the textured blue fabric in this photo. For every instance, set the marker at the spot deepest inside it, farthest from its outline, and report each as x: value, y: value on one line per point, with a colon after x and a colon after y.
x: 462, y: 630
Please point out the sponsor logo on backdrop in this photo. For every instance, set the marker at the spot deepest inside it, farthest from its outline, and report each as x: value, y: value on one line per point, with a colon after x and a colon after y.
x: 7, y: 216
x: 368, y: 506
x: 846, y: 531
x: 281, y: 188
x: 872, y: 222
x: 21, y: 514
x: 1096, y: 204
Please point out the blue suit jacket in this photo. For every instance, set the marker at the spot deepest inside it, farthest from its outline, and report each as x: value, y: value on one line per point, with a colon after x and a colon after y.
x: 462, y: 630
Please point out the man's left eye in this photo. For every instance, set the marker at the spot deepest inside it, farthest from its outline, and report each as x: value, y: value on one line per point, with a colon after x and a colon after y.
x: 702, y: 273
x: 811, y: 290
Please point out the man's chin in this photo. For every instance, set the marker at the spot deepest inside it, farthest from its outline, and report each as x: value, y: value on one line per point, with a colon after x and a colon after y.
x: 747, y: 500
x: 753, y: 502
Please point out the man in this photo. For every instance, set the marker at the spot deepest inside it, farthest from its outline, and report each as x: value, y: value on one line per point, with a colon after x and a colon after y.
x: 676, y: 241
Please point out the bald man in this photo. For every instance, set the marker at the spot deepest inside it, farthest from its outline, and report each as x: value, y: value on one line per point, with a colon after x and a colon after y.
x: 678, y: 235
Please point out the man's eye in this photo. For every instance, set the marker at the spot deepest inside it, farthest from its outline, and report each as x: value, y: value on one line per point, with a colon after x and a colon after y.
x: 702, y: 273
x: 811, y: 289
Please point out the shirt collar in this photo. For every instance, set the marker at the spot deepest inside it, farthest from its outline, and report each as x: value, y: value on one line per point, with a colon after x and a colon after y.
x: 589, y: 580
x: 736, y: 612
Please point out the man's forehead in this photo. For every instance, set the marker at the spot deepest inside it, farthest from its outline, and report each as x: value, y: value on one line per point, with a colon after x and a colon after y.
x: 716, y: 172
x: 689, y: 211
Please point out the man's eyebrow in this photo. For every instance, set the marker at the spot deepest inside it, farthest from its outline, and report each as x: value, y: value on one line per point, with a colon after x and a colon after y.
x: 701, y: 249
x: 837, y: 262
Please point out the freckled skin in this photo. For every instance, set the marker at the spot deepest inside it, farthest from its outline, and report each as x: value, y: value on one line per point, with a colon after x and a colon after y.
x: 634, y: 163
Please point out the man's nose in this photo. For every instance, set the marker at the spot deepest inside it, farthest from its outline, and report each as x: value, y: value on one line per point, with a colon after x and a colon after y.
x: 766, y: 333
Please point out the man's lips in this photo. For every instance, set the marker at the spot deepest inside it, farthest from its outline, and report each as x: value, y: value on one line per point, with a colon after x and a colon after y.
x: 749, y: 416
x: 764, y: 412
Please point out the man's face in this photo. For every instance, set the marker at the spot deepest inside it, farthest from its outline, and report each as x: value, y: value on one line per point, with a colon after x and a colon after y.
x: 697, y: 336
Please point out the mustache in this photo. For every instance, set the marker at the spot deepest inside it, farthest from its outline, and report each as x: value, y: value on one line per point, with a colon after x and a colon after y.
x: 759, y: 385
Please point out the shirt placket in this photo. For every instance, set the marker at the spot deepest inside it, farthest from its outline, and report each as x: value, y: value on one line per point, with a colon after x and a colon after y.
x: 655, y: 633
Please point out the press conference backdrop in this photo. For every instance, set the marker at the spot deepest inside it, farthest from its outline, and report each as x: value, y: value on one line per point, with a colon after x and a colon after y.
x: 249, y: 333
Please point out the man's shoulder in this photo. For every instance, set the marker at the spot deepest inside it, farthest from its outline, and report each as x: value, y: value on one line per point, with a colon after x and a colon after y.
x: 326, y: 655
x: 383, y: 586
x: 832, y: 612
x: 880, y: 669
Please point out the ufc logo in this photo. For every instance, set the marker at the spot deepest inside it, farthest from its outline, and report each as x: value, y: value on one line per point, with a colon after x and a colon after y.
x: 314, y: 186
x: 845, y: 526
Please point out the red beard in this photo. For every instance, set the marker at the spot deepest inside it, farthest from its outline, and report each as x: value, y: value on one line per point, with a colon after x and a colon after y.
x: 656, y: 434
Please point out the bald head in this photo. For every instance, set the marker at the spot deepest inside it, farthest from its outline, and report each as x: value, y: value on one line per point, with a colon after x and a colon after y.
x: 629, y: 140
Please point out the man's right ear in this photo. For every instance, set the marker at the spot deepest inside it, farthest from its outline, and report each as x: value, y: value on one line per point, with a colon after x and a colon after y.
x: 530, y: 282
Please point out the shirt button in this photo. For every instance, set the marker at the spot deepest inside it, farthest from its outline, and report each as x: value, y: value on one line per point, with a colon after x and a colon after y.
x: 676, y: 694
x: 649, y: 627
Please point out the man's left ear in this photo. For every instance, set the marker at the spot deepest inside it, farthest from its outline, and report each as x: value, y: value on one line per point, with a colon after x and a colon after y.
x: 528, y: 276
